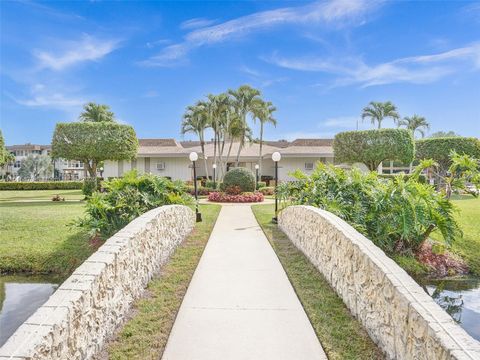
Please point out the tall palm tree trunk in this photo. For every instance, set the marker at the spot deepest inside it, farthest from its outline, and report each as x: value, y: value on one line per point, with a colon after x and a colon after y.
x: 260, y: 153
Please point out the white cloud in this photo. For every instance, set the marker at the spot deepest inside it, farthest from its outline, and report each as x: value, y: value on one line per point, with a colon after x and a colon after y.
x: 341, y: 122
x: 87, y: 48
x: 196, y: 23
x: 332, y: 12
x: 416, y: 69
x: 49, y: 97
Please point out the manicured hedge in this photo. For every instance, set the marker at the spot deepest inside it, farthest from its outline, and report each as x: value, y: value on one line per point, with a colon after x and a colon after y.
x: 371, y: 147
x: 42, y: 185
x: 239, y: 177
x: 439, y: 149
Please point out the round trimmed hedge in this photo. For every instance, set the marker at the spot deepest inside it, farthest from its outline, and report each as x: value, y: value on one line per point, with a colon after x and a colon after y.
x: 240, y: 177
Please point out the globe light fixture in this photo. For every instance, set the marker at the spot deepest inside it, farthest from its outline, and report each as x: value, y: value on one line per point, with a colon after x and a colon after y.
x: 257, y: 166
x: 276, y: 156
x: 193, y: 156
x: 214, y: 177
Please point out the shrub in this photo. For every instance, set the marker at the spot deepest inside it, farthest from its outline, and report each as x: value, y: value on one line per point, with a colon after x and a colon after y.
x: 421, y: 177
x: 440, y: 149
x: 396, y: 215
x: 372, y: 147
x: 210, y: 184
x: 241, y: 198
x: 267, y: 190
x: 239, y: 177
x: 261, y: 184
x: 233, y: 190
x: 90, y: 185
x: 200, y: 190
x: 58, y: 198
x: 127, y: 198
x: 42, y: 185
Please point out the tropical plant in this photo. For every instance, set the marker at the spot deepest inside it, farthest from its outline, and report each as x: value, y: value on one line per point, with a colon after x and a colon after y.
x: 94, y: 142
x: 240, y: 177
x: 398, y: 215
x: 440, y: 149
x: 246, y: 100
x: 377, y: 111
x: 264, y: 113
x: 128, y: 197
x: 35, y: 167
x: 93, y: 112
x: 415, y: 123
x: 372, y: 147
x: 195, y: 120
x: 463, y: 170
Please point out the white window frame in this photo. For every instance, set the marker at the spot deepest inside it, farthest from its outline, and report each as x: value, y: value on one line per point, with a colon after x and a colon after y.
x: 160, y: 166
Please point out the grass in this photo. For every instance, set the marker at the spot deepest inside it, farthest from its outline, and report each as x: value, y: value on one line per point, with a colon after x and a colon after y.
x: 341, y: 335
x: 145, y: 335
x: 35, y: 236
x: 37, y: 195
x: 468, y: 217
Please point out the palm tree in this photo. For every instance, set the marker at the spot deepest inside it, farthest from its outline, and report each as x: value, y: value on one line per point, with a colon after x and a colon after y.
x: 97, y: 113
x: 264, y: 113
x: 415, y: 123
x: 245, y: 100
x: 377, y: 111
x: 195, y: 120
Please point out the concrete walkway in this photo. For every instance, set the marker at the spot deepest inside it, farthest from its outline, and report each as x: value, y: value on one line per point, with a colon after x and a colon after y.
x: 240, y: 303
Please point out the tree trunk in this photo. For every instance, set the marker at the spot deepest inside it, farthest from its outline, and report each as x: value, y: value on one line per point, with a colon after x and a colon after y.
x: 91, y: 167
x: 202, y: 145
x: 215, y: 149
x: 260, y: 154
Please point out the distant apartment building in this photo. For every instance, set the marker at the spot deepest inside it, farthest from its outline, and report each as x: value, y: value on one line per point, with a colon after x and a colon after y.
x: 62, y: 169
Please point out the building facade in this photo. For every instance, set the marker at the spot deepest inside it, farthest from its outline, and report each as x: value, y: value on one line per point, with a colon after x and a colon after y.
x: 169, y: 158
x: 62, y: 169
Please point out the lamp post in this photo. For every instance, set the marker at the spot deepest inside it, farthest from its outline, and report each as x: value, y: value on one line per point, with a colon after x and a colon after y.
x: 193, y: 158
x: 214, y: 182
x: 256, y: 176
x: 276, y: 157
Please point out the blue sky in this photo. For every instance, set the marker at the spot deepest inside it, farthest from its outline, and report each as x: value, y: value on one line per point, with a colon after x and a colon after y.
x: 320, y: 63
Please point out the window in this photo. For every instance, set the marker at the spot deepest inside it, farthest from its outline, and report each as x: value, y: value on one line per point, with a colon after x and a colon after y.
x: 309, y: 166
x: 17, y: 164
x: 160, y: 166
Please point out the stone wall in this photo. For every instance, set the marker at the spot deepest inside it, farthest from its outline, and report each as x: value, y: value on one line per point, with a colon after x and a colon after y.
x: 89, y: 305
x: 397, y: 313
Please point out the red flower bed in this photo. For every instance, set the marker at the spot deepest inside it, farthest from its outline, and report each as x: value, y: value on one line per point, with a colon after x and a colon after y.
x: 240, y: 198
x: 443, y: 264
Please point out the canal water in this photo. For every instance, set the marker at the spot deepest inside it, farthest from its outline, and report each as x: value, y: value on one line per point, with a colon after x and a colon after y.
x: 20, y: 296
x: 460, y: 297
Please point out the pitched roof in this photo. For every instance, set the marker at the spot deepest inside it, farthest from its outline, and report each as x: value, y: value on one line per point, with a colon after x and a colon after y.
x: 312, y: 142
x: 157, y: 142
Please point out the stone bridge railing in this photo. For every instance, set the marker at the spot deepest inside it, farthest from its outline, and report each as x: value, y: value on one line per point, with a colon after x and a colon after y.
x: 85, y: 310
x: 399, y: 316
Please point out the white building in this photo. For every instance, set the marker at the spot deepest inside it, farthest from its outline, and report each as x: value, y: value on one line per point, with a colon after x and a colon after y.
x: 62, y: 169
x: 169, y: 158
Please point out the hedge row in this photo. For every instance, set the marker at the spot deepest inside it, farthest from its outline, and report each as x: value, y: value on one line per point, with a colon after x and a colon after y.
x: 43, y: 185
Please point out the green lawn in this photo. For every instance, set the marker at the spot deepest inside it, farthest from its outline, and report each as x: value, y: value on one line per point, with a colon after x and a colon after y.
x: 36, y: 195
x: 341, y: 335
x: 34, y: 235
x: 145, y: 335
x: 468, y: 217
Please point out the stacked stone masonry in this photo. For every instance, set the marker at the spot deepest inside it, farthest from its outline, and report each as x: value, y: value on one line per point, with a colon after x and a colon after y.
x: 86, y: 309
x: 398, y: 314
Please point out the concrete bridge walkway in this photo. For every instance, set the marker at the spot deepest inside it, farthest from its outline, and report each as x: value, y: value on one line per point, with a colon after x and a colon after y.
x: 240, y: 303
